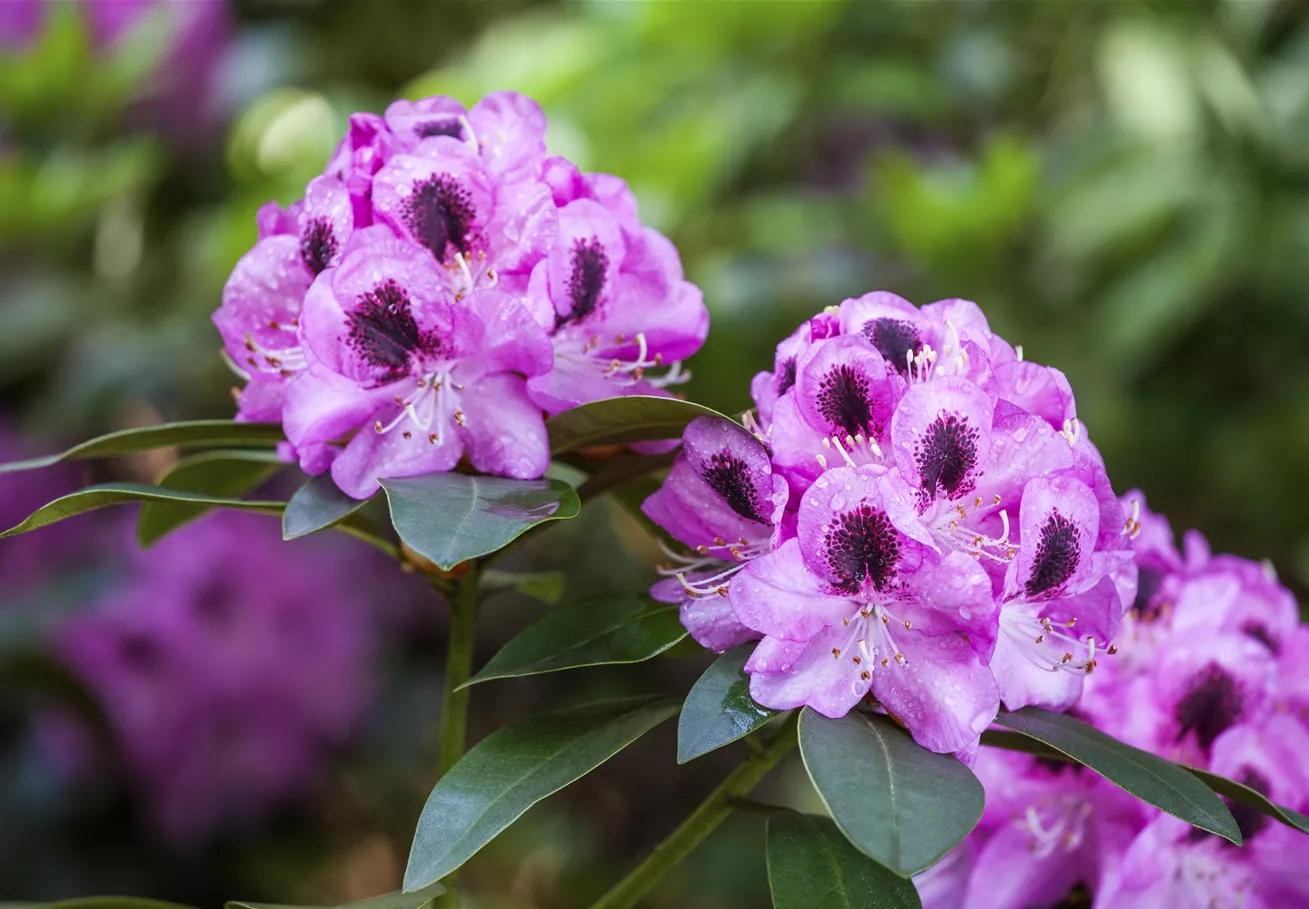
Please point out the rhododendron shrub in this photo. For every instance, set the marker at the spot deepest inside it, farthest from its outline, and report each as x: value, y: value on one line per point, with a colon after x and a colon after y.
x: 908, y: 558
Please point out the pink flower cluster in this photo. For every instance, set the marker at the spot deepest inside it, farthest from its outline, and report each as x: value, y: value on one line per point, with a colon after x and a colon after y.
x: 1210, y: 672
x: 443, y: 286
x: 915, y: 512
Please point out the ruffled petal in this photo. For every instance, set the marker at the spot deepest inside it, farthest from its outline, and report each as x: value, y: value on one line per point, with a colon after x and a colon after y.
x: 504, y: 431
x: 778, y: 596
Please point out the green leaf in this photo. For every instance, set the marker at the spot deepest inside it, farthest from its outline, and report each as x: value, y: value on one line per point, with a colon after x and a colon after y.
x: 1252, y: 797
x: 105, y: 494
x: 719, y: 709
x: 452, y: 517
x: 514, y: 768
x: 128, y: 441
x: 1147, y: 776
x: 102, y: 902
x: 317, y: 505
x: 546, y: 586
x: 618, y: 472
x: 418, y: 899
x: 810, y: 864
x: 894, y: 800
x: 606, y: 629
x: 636, y: 418
x: 228, y: 474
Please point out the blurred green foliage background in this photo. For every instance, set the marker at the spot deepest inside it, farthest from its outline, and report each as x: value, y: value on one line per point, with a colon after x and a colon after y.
x: 1123, y: 187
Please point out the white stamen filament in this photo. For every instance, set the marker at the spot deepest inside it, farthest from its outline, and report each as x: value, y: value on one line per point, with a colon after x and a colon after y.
x: 1132, y: 527
x: 284, y: 361
x: 739, y: 552
x: 871, y: 644
x: 1067, y: 827
x: 436, y: 395
x: 854, y: 450
x: 1047, y: 645
x: 471, y: 141
x: 1072, y: 430
x: 234, y: 366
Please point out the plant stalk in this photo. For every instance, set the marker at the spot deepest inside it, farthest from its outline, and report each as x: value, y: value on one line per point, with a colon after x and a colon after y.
x: 700, y: 822
x: 454, y: 704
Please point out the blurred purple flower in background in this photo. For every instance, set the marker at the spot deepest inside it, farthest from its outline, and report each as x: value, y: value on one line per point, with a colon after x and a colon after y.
x: 189, y: 37
x: 230, y: 665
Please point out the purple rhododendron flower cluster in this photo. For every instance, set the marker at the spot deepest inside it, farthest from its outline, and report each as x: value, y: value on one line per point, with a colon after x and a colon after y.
x: 442, y: 287
x: 915, y: 512
x: 1209, y: 673
x: 229, y: 665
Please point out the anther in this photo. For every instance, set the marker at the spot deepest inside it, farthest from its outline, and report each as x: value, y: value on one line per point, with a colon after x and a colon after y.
x: 836, y: 653
x: 460, y: 418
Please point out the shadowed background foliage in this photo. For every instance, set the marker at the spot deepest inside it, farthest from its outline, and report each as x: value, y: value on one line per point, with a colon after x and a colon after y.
x: 1123, y: 187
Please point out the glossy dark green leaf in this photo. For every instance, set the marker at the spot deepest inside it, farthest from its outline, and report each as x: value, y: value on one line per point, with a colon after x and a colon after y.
x: 189, y: 434
x: 637, y: 418
x: 227, y: 474
x: 397, y: 900
x: 811, y: 865
x: 105, y: 494
x: 894, y: 800
x: 452, y: 517
x: 1148, y: 777
x: 317, y: 505
x: 606, y: 629
x: 1239, y: 792
x: 514, y: 768
x: 719, y: 709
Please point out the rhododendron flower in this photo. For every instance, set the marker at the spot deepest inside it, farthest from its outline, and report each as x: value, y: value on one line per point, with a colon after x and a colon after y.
x: 443, y: 264
x: 723, y: 500
x: 419, y: 380
x: 612, y: 296
x: 837, y: 413
x: 852, y: 605
x: 260, y: 315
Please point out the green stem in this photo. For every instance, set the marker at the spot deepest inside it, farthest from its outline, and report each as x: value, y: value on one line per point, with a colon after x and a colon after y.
x: 454, y: 704
x: 700, y: 822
